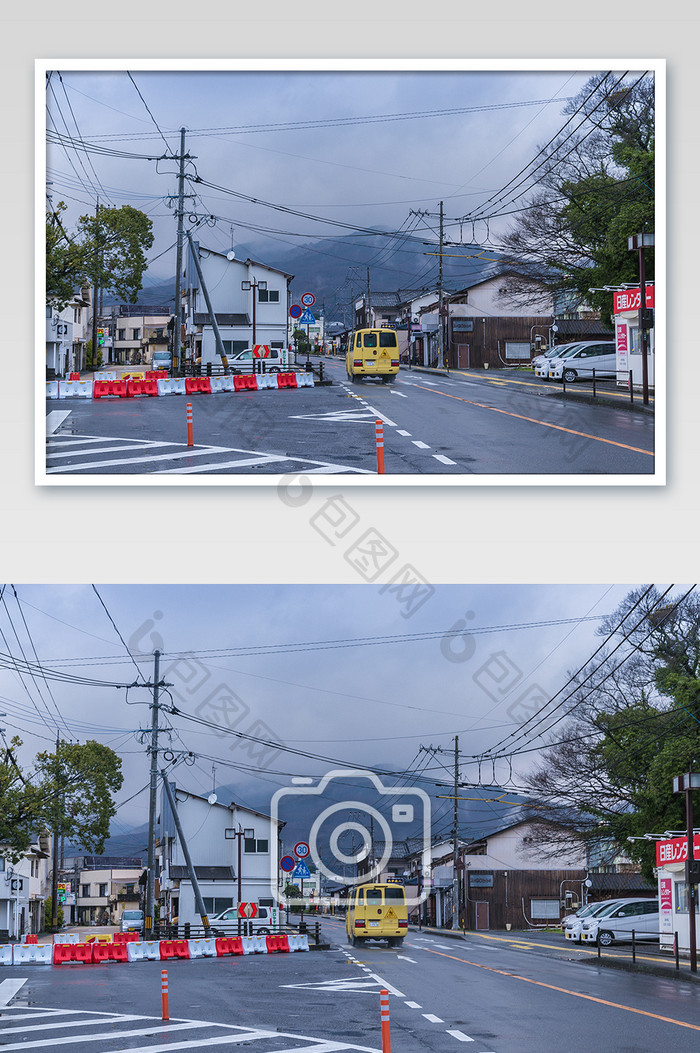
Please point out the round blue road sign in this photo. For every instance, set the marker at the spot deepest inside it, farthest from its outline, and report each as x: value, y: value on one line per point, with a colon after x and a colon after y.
x: 287, y: 863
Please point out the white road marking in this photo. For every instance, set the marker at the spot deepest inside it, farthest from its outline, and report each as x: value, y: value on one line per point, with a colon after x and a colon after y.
x: 9, y: 988
x: 107, y: 449
x: 420, y: 445
x: 399, y: 393
x: 387, y: 986
x: 67, y: 1023
x: 460, y: 1036
x: 404, y: 958
x: 55, y: 419
x: 137, y: 460
x: 240, y: 463
x: 406, y: 433
x: 441, y: 457
x: 433, y: 1019
x: 413, y: 1005
x: 110, y: 1035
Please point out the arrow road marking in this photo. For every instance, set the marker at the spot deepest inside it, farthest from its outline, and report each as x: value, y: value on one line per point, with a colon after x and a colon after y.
x: 404, y: 958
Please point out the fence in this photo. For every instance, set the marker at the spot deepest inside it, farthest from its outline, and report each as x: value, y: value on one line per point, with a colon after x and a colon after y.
x: 624, y: 376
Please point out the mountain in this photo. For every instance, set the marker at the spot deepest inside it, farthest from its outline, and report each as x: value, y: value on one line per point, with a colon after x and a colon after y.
x: 336, y: 271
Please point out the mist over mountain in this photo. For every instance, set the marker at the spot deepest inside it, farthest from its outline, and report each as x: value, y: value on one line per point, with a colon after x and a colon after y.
x: 336, y: 271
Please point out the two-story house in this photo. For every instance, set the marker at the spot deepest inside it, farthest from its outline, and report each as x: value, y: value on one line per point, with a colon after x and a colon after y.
x: 234, y: 850
x: 250, y: 302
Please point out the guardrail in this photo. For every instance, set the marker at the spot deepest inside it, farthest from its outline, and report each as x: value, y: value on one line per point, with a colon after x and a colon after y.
x: 189, y: 931
x: 597, y: 380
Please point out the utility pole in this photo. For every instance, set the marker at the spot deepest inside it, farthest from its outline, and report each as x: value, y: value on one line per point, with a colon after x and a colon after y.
x: 54, y: 870
x: 150, y: 886
x: 95, y: 287
x: 178, y: 258
x: 455, y: 843
x: 441, y: 334
x: 201, y: 909
x: 368, y: 321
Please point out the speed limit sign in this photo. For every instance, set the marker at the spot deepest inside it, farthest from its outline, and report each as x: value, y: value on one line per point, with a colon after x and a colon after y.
x: 301, y: 849
x: 308, y: 299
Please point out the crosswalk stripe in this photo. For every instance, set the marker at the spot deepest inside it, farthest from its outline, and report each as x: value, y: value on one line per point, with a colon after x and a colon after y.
x: 111, y: 1035
x: 185, y: 452
x: 106, y: 449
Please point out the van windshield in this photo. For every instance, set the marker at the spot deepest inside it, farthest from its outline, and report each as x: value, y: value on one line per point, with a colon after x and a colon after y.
x: 132, y: 915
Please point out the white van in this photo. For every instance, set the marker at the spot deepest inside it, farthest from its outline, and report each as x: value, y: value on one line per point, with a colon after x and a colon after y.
x: 227, y: 922
x: 275, y: 361
x: 619, y: 921
x: 582, y: 360
x: 162, y: 360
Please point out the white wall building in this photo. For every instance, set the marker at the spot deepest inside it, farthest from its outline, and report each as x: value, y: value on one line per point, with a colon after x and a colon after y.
x: 674, y: 916
x: 245, y: 316
x: 67, y: 332
x: 234, y: 850
x: 24, y: 887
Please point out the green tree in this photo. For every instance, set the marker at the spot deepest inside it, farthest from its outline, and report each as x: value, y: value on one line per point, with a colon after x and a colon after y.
x: 73, y: 789
x: 595, y: 189
x: 18, y: 815
x: 66, y: 261
x: 115, y: 241
x: 633, y: 725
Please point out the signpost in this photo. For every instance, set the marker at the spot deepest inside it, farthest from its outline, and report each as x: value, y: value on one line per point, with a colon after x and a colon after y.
x: 287, y: 864
x: 247, y: 910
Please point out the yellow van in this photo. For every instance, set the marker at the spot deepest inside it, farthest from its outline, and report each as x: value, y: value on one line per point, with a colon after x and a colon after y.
x: 372, y: 353
x: 377, y: 912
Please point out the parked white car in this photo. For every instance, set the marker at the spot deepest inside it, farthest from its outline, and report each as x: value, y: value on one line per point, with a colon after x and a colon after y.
x: 542, y: 362
x: 617, y: 923
x: 571, y: 926
x: 582, y: 360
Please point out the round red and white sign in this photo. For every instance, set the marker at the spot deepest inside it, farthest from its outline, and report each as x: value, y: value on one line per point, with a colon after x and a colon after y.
x: 308, y: 299
x: 301, y: 849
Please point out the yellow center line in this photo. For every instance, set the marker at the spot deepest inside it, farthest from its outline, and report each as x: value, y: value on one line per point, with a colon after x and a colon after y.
x: 533, y: 420
x: 565, y: 990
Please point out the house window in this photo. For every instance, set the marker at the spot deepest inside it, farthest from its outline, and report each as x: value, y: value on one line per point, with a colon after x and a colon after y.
x: 251, y: 844
x: 268, y: 296
x: 2, y: 864
x: 544, y: 908
x: 121, y: 334
x: 85, y: 890
x: 103, y: 890
x: 135, y: 334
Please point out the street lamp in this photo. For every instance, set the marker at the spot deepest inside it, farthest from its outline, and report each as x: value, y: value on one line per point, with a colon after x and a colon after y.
x: 247, y: 834
x: 686, y: 784
x: 245, y: 286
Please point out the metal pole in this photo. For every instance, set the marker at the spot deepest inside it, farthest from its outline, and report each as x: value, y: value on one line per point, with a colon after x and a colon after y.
x: 178, y: 257
x: 54, y: 874
x: 440, y: 329
x: 201, y: 909
x: 642, y: 309
x: 455, y: 877
x: 692, y: 887
x: 95, y: 289
x: 214, y: 323
x: 150, y: 886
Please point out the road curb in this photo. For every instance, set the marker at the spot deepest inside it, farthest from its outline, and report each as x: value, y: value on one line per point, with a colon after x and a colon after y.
x: 669, y: 972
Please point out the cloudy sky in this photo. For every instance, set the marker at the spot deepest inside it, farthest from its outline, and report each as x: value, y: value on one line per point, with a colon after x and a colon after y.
x: 339, y: 672
x: 344, y: 146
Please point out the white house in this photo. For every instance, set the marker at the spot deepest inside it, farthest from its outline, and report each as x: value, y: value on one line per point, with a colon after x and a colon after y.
x: 24, y: 887
x: 250, y: 302
x: 234, y: 851
x: 67, y: 332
